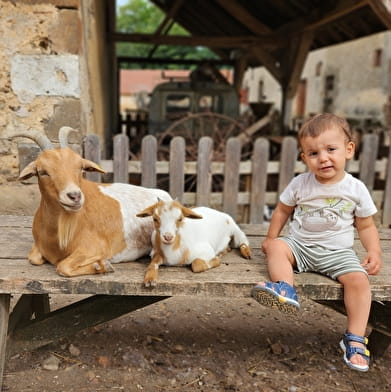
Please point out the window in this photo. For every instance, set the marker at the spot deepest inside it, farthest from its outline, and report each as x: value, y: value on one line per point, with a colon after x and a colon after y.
x: 318, y: 68
x: 377, y: 57
x: 329, y: 83
x: 210, y: 103
x: 177, y: 105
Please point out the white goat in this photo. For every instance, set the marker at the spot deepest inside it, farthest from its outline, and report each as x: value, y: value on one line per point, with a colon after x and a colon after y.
x: 82, y: 226
x: 198, y: 241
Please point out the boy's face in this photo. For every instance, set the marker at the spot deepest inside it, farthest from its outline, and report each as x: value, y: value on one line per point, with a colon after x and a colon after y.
x: 326, y: 154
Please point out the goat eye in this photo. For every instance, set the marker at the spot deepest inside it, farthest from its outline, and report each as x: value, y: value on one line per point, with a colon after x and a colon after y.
x: 43, y: 173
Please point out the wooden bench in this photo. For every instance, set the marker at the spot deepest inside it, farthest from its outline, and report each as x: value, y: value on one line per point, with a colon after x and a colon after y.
x: 32, y: 324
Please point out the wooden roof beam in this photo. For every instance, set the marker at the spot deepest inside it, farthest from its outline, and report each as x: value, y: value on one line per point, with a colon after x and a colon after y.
x: 382, y: 11
x: 292, y: 65
x: 269, y: 62
x: 167, y: 23
x: 169, y: 15
x: 267, y: 40
x: 344, y: 7
x: 238, y: 12
x: 316, y: 19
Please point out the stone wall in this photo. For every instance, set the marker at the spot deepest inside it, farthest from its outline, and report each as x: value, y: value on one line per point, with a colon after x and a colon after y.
x: 40, y: 49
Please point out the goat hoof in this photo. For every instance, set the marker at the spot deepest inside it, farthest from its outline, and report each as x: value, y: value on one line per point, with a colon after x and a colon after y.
x: 150, y: 283
x: 245, y: 251
x: 108, y: 266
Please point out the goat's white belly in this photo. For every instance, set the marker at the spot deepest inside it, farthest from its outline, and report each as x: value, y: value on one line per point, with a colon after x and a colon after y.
x: 137, y: 231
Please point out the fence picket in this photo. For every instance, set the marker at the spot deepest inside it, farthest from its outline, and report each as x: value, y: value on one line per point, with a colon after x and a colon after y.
x: 368, y: 160
x: 121, y: 158
x: 204, y: 172
x: 287, y: 162
x: 148, y: 161
x: 231, y: 176
x: 92, y: 152
x: 260, y: 160
x: 387, y: 195
x: 177, y: 168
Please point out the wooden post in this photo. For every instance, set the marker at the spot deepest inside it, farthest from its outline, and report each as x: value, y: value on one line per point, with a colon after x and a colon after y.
x: 177, y: 168
x: 148, y: 161
x: 387, y: 195
x: 4, y: 316
x: 231, y: 176
x: 368, y: 160
x: 287, y: 162
x: 260, y: 159
x: 121, y: 158
x: 204, y: 171
x: 92, y: 152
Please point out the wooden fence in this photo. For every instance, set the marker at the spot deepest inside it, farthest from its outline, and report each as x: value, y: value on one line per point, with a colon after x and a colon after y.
x: 241, y: 188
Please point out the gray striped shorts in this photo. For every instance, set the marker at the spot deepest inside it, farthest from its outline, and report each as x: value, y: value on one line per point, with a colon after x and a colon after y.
x: 333, y: 263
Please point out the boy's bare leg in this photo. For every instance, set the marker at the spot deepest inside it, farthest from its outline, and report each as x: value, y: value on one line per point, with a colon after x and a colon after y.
x: 357, y: 298
x: 280, y: 260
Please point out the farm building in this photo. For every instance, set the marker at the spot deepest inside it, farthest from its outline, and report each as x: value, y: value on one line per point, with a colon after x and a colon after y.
x: 58, y: 64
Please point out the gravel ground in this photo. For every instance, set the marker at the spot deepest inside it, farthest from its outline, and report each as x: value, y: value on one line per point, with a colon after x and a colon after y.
x: 195, y: 344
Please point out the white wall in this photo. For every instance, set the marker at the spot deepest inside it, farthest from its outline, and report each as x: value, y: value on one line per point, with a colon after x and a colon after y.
x: 361, y: 90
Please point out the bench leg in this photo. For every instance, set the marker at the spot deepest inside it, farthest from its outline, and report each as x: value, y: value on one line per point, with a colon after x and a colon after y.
x: 70, y: 319
x: 27, y: 306
x: 4, y: 315
x: 378, y: 343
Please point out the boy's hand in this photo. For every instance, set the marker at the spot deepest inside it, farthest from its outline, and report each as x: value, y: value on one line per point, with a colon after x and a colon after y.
x: 372, y: 263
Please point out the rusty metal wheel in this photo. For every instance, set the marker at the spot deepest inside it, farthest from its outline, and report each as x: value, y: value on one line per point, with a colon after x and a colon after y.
x: 195, y: 125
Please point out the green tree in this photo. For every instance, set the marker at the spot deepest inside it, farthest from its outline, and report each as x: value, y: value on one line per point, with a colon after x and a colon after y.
x: 141, y: 16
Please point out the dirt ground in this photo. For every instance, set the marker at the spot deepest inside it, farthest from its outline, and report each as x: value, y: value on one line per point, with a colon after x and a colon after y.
x: 195, y: 344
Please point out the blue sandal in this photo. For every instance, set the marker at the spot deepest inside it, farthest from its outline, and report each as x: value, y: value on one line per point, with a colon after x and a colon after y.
x: 349, y: 350
x: 270, y: 295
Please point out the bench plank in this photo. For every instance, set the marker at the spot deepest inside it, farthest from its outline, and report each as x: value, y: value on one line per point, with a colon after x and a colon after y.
x: 234, y: 278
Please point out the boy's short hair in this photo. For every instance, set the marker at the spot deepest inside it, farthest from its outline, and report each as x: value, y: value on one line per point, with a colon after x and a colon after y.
x: 321, y: 122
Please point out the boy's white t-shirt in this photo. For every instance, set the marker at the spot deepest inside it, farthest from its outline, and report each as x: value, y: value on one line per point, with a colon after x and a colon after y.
x: 324, y: 214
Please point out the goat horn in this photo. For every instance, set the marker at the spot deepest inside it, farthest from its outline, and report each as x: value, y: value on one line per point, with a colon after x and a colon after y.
x: 38, y: 137
x: 63, y: 134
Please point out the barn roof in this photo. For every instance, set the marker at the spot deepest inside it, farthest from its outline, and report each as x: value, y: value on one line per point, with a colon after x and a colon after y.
x: 233, y: 27
x: 277, y: 34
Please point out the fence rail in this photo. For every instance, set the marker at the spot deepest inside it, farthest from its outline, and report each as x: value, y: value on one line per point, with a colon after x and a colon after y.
x: 242, y: 188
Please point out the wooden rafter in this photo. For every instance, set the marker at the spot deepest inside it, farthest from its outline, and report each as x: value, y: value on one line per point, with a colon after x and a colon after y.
x: 294, y: 65
x: 169, y: 16
x: 268, y: 61
x: 267, y: 40
x: 239, y: 13
x: 315, y: 20
x: 166, y: 24
x: 381, y: 11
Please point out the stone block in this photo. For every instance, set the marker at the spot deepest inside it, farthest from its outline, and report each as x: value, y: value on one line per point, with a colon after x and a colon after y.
x: 65, y: 35
x: 27, y: 153
x: 45, y: 75
x: 66, y: 113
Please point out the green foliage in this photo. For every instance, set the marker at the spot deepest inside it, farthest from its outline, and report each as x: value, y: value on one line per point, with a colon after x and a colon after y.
x: 141, y: 16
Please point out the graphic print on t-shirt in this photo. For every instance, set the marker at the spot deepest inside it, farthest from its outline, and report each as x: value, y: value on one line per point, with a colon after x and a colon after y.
x: 325, y: 217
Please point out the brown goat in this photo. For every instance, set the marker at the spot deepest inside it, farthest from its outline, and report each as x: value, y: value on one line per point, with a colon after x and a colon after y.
x: 82, y: 226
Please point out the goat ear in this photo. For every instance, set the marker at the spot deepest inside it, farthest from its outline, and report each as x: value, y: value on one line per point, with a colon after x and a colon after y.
x: 146, y: 212
x: 189, y: 213
x: 92, y: 166
x: 29, y: 171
